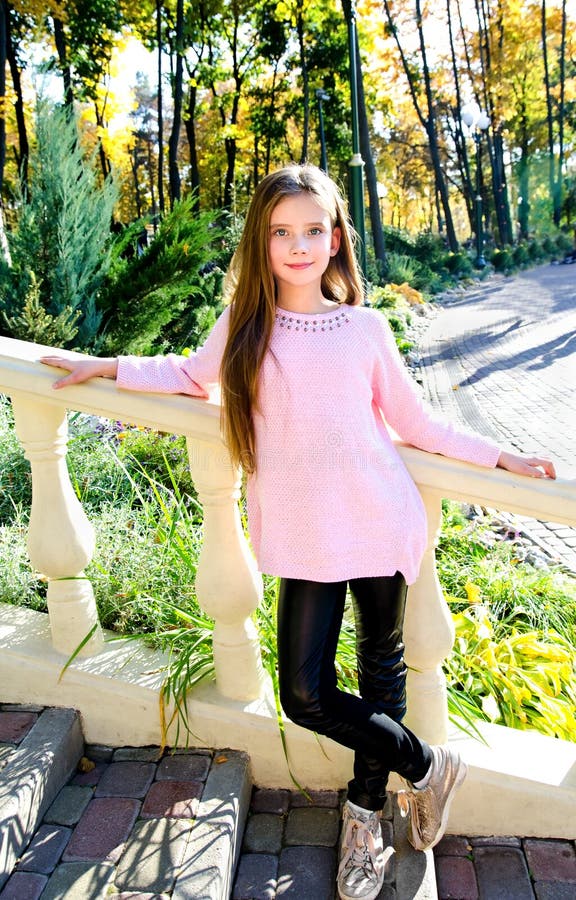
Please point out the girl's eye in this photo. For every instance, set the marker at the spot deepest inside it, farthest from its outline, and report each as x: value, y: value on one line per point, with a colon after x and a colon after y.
x: 315, y: 231
x: 280, y: 232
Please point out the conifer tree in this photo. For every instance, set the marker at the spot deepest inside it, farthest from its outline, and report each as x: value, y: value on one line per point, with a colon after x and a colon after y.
x: 60, y: 245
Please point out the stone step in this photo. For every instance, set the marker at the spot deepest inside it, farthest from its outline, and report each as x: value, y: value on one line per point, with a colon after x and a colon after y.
x: 32, y: 775
x: 135, y: 819
x: 126, y: 827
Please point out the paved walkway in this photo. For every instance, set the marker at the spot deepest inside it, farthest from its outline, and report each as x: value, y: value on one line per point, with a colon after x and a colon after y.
x: 123, y: 827
x: 502, y: 359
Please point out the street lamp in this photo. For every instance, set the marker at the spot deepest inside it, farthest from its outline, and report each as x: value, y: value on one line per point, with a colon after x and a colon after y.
x: 356, y: 164
x: 477, y: 121
x: 320, y: 96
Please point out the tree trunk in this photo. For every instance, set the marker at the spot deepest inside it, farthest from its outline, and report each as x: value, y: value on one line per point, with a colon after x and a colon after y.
x: 561, y: 116
x: 160, y: 108
x: 24, y: 150
x: 459, y: 138
x: 151, y: 182
x: 173, y: 173
x: 305, y: 82
x: 104, y: 161
x: 549, y: 112
x: 190, y: 126
x: 231, y: 149
x: 440, y: 180
x: 496, y: 146
x: 428, y: 121
x: 524, y: 180
x: 500, y: 188
x: 370, y: 170
x: 271, y: 117
x: 137, y: 193
x: 4, y: 13
x: 60, y: 41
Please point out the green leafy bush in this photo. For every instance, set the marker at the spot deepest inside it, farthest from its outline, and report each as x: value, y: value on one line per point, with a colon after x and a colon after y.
x: 501, y: 259
x: 520, y: 256
x: 514, y: 660
x: 458, y: 263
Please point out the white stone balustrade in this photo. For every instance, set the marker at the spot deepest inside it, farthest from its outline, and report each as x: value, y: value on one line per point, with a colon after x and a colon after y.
x: 228, y: 586
x: 429, y: 631
x: 60, y: 537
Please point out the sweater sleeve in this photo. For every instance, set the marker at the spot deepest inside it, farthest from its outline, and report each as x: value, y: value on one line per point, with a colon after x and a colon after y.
x: 174, y: 374
x: 415, y: 422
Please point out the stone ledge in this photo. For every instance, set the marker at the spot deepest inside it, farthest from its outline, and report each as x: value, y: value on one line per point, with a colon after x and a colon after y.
x: 519, y: 782
x: 32, y: 777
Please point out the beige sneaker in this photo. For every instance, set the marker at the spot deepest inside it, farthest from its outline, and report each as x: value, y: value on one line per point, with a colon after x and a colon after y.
x: 430, y: 806
x: 362, y: 863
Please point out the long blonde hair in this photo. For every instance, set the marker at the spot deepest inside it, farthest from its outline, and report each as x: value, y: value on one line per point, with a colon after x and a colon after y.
x: 251, y: 290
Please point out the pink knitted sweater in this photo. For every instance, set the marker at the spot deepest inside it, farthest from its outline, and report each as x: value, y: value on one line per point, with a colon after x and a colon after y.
x: 331, y: 499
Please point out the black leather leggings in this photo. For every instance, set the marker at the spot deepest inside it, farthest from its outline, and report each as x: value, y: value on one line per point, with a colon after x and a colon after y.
x: 309, y: 621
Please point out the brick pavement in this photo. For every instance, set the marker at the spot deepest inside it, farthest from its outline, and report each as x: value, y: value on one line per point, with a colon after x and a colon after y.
x: 130, y: 826
x: 501, y: 358
x: 131, y: 822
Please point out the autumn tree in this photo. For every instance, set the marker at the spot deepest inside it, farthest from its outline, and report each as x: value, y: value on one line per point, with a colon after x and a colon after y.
x: 555, y: 73
x: 419, y: 78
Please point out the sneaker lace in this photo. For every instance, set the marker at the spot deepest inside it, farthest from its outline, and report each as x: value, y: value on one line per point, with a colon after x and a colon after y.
x: 361, y: 849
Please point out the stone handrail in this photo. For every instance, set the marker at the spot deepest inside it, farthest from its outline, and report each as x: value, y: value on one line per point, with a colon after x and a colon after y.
x: 227, y: 584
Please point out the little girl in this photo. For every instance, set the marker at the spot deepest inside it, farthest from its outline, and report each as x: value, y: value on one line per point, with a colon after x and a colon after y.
x: 310, y: 381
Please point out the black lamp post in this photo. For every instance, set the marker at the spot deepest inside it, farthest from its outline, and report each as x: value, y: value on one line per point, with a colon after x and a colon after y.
x: 320, y: 96
x: 476, y: 119
x: 356, y: 164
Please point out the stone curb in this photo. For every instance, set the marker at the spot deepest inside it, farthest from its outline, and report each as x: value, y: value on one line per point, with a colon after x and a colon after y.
x: 34, y: 774
x: 214, y: 846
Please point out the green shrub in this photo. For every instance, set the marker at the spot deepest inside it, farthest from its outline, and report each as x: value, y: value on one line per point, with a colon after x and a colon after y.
x: 458, y: 263
x: 535, y: 250
x: 501, y: 259
x: 429, y: 248
x: 564, y: 243
x: 401, y: 268
x: 384, y: 297
x: 398, y: 241
x: 520, y: 255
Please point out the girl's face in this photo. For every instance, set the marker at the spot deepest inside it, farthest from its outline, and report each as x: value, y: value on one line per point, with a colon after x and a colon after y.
x: 301, y: 241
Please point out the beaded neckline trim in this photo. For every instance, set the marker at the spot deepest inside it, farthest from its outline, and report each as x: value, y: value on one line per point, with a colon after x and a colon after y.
x: 322, y: 322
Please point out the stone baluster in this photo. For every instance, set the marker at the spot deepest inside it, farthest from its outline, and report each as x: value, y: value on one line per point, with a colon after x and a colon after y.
x: 60, y: 537
x: 429, y: 636
x: 228, y: 585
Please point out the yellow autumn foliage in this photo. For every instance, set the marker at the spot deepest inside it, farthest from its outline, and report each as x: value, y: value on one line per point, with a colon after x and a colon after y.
x: 410, y: 294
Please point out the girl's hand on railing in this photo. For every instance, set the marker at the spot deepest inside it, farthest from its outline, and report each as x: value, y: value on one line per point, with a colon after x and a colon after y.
x: 533, y: 466
x: 81, y: 369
